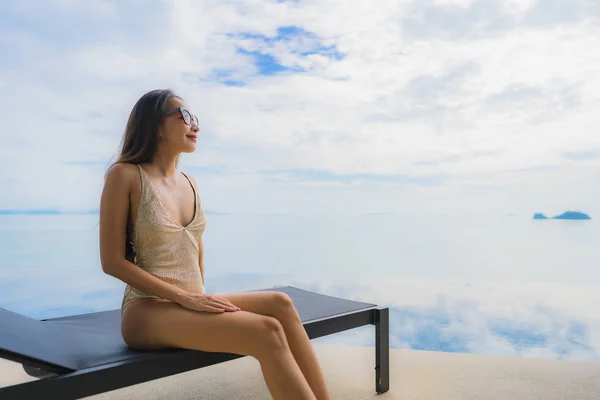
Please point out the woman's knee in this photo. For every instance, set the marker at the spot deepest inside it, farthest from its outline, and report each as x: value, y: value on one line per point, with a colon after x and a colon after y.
x: 270, y: 336
x: 283, y: 305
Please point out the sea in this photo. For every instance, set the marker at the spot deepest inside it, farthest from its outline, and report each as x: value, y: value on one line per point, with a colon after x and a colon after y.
x: 496, y: 285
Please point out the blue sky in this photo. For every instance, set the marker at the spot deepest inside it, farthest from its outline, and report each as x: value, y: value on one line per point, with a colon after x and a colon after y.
x: 421, y: 107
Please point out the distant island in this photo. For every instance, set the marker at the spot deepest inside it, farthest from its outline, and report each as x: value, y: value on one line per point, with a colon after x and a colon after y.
x: 566, y: 215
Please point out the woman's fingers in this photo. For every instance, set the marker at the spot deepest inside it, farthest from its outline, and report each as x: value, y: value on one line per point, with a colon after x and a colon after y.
x: 211, y: 303
x: 203, y: 306
x: 211, y: 308
x: 215, y: 303
x: 228, y: 304
x: 225, y: 303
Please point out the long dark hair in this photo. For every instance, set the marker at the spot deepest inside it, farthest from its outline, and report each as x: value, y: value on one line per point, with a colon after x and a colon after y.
x: 140, y: 139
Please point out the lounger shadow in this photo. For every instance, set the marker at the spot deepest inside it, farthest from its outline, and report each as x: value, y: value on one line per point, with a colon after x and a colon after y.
x: 83, y: 355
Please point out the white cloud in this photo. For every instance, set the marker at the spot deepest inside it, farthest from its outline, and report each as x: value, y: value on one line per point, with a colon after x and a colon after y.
x: 518, y: 6
x: 460, y: 3
x: 488, y: 100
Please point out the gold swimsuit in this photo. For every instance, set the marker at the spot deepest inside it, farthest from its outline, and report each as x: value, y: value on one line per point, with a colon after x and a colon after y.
x: 163, y: 247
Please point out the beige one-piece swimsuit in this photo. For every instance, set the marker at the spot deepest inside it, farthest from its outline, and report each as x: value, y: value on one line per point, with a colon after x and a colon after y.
x: 164, y: 247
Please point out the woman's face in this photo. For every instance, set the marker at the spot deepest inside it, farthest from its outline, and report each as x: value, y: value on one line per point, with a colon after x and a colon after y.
x: 180, y: 128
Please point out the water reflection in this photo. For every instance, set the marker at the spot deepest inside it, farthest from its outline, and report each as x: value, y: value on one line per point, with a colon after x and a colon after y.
x: 503, y: 295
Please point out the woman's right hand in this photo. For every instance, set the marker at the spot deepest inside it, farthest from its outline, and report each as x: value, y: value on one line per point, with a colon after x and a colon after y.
x: 207, y: 303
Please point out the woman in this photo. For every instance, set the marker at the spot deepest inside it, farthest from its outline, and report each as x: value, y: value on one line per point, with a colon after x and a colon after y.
x: 151, y: 225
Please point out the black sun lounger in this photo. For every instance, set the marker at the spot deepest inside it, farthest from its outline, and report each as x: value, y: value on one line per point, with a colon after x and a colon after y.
x: 82, y: 355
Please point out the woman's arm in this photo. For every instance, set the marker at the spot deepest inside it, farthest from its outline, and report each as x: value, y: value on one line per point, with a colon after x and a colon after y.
x: 114, y: 211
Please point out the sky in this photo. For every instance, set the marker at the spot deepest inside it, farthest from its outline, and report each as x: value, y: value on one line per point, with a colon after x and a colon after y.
x: 421, y: 107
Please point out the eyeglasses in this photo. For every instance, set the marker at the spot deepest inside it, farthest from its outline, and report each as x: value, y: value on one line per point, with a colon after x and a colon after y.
x: 187, y: 116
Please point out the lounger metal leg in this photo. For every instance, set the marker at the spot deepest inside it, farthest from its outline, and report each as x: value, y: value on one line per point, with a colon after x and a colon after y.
x: 382, y: 350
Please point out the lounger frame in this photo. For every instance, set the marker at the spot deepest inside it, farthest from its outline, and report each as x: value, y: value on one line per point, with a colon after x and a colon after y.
x: 66, y: 384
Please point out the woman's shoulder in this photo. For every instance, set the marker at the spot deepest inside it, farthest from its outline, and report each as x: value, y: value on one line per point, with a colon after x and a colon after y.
x: 121, y: 173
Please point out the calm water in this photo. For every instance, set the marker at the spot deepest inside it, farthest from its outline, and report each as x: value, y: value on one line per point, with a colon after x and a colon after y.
x: 507, y: 286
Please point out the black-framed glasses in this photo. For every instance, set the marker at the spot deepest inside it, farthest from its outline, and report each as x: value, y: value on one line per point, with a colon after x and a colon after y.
x: 187, y: 116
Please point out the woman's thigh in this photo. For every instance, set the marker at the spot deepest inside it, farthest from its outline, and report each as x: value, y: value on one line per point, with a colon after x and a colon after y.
x: 270, y: 303
x: 155, y: 324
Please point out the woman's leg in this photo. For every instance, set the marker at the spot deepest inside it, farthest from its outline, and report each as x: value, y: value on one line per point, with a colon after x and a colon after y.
x: 157, y: 324
x: 279, y: 305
